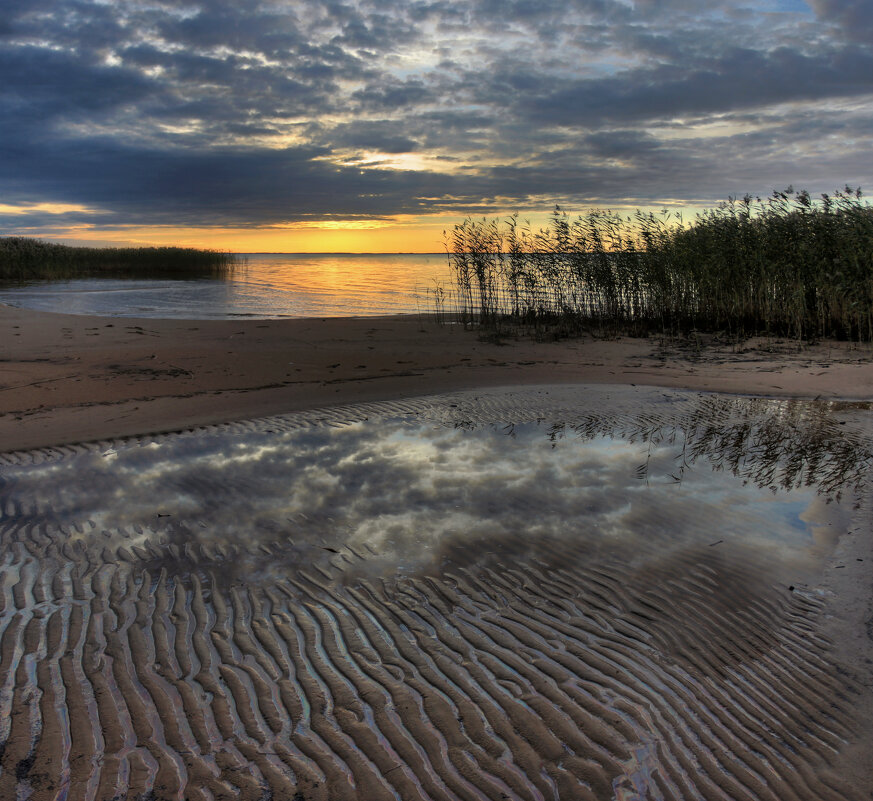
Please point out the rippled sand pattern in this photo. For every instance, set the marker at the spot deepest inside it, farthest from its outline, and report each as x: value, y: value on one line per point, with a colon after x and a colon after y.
x: 137, y: 664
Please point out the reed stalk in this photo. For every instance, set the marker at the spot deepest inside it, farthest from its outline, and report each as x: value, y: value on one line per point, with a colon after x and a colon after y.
x: 23, y: 259
x: 784, y: 266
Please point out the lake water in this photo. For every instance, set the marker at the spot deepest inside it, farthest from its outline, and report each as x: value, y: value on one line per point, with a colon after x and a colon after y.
x: 266, y: 286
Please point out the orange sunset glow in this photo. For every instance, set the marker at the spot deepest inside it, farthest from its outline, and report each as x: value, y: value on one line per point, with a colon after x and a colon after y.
x: 372, y: 236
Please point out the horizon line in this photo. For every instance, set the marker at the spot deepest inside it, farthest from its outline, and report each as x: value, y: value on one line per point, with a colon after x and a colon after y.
x: 335, y: 252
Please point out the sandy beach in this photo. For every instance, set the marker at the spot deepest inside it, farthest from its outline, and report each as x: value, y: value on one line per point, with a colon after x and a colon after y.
x: 72, y: 378
x: 276, y: 526
x: 350, y: 604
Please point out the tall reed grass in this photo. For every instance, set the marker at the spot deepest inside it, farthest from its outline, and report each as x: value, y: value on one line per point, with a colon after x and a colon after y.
x: 787, y: 266
x: 22, y: 258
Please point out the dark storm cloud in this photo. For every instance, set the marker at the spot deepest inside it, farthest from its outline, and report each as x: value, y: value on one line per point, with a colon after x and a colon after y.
x: 210, y: 112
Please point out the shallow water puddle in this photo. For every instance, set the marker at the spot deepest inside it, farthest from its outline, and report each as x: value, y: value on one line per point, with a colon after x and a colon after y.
x: 563, y: 595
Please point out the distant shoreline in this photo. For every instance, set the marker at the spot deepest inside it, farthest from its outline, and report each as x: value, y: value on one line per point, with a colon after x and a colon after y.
x: 23, y: 258
x: 338, y: 253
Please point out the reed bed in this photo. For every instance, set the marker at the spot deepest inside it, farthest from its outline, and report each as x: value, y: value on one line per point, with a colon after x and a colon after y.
x: 788, y: 265
x: 23, y: 259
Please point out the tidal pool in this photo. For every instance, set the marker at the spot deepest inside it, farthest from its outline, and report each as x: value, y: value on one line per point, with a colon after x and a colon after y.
x: 578, y: 593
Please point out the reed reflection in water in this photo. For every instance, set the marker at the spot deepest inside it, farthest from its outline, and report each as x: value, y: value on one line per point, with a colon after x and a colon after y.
x: 440, y: 599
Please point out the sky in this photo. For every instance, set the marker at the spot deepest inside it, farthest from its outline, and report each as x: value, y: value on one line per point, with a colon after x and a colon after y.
x: 305, y: 126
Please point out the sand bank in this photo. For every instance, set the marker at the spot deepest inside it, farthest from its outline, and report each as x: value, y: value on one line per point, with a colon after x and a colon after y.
x: 72, y: 378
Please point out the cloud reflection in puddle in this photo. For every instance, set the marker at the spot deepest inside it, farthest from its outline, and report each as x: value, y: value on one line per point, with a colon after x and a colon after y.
x: 401, y: 491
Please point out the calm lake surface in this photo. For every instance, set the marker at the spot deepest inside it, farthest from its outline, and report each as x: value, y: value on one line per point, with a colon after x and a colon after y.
x: 266, y: 286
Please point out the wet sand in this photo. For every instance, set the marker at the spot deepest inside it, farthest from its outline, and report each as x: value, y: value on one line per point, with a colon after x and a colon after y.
x: 155, y: 647
x: 143, y: 658
x: 70, y: 378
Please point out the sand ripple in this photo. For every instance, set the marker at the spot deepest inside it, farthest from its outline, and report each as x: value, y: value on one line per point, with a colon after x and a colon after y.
x: 134, y: 667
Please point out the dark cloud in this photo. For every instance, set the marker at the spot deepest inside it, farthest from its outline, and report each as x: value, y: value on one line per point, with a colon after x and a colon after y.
x: 854, y: 17
x: 394, y: 95
x: 212, y: 112
x: 740, y: 79
x: 183, y: 187
x: 52, y: 85
x: 374, y: 135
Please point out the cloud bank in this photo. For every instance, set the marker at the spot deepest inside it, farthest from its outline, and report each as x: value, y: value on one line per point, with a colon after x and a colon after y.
x: 213, y: 113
